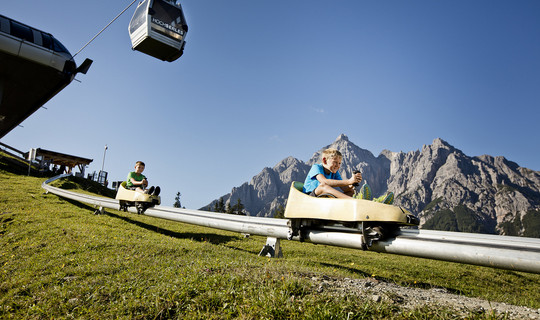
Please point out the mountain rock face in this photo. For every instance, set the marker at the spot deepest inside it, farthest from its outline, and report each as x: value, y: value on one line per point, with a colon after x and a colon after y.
x: 447, y: 189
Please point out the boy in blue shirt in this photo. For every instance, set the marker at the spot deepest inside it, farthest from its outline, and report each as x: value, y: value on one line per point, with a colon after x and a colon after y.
x: 325, y: 178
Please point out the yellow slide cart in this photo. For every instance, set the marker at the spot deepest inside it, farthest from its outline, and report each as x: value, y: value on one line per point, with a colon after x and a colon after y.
x: 374, y: 220
x: 141, y: 201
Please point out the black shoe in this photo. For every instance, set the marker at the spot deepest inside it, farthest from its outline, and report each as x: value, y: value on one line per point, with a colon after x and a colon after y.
x: 157, y: 191
x: 151, y: 190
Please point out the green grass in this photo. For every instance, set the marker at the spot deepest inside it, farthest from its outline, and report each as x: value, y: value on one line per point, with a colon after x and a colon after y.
x: 59, y: 260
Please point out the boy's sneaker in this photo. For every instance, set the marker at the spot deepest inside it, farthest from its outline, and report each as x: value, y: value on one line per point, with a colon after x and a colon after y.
x: 365, y: 192
x: 149, y: 191
x: 157, y: 191
x: 386, y: 199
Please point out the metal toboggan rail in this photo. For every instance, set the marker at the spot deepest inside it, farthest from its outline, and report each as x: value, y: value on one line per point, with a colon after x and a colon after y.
x: 504, y: 252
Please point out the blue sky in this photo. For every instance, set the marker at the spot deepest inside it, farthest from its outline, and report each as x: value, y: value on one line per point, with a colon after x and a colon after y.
x: 263, y: 80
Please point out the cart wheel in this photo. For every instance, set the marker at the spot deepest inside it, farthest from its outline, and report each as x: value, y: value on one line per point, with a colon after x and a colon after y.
x: 140, y: 208
x: 123, y: 205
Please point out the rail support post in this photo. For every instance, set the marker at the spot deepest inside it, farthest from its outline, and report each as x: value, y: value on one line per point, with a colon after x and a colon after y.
x: 101, y: 210
x: 272, y: 248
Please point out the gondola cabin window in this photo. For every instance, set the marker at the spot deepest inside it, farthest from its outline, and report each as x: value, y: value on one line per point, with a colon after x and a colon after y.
x: 139, y: 17
x: 168, y: 20
x: 20, y: 31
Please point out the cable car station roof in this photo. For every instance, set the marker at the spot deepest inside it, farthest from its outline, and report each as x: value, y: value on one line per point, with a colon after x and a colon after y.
x: 62, y: 159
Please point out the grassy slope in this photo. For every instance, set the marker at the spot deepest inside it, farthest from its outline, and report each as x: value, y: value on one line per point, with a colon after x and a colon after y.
x: 58, y: 260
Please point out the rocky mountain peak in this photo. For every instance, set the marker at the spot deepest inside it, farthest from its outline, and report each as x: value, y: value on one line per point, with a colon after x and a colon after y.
x: 342, y: 137
x: 286, y: 163
x: 440, y: 143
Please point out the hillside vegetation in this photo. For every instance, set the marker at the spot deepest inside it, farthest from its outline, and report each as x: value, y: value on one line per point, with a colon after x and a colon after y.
x: 59, y: 260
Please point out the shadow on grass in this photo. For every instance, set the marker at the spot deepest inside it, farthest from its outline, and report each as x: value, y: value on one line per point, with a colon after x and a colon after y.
x: 76, y: 203
x: 201, y: 237
x: 195, y: 236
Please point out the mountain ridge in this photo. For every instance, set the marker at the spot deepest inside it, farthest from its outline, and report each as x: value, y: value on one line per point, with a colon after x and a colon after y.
x: 447, y: 189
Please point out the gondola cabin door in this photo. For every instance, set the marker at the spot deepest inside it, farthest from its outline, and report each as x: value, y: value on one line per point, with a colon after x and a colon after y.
x: 158, y: 28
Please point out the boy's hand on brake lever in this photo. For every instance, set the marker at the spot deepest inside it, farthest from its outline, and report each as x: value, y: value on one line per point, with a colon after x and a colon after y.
x: 356, y: 178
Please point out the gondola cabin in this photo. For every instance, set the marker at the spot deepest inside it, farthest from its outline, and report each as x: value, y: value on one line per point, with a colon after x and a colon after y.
x: 158, y: 28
